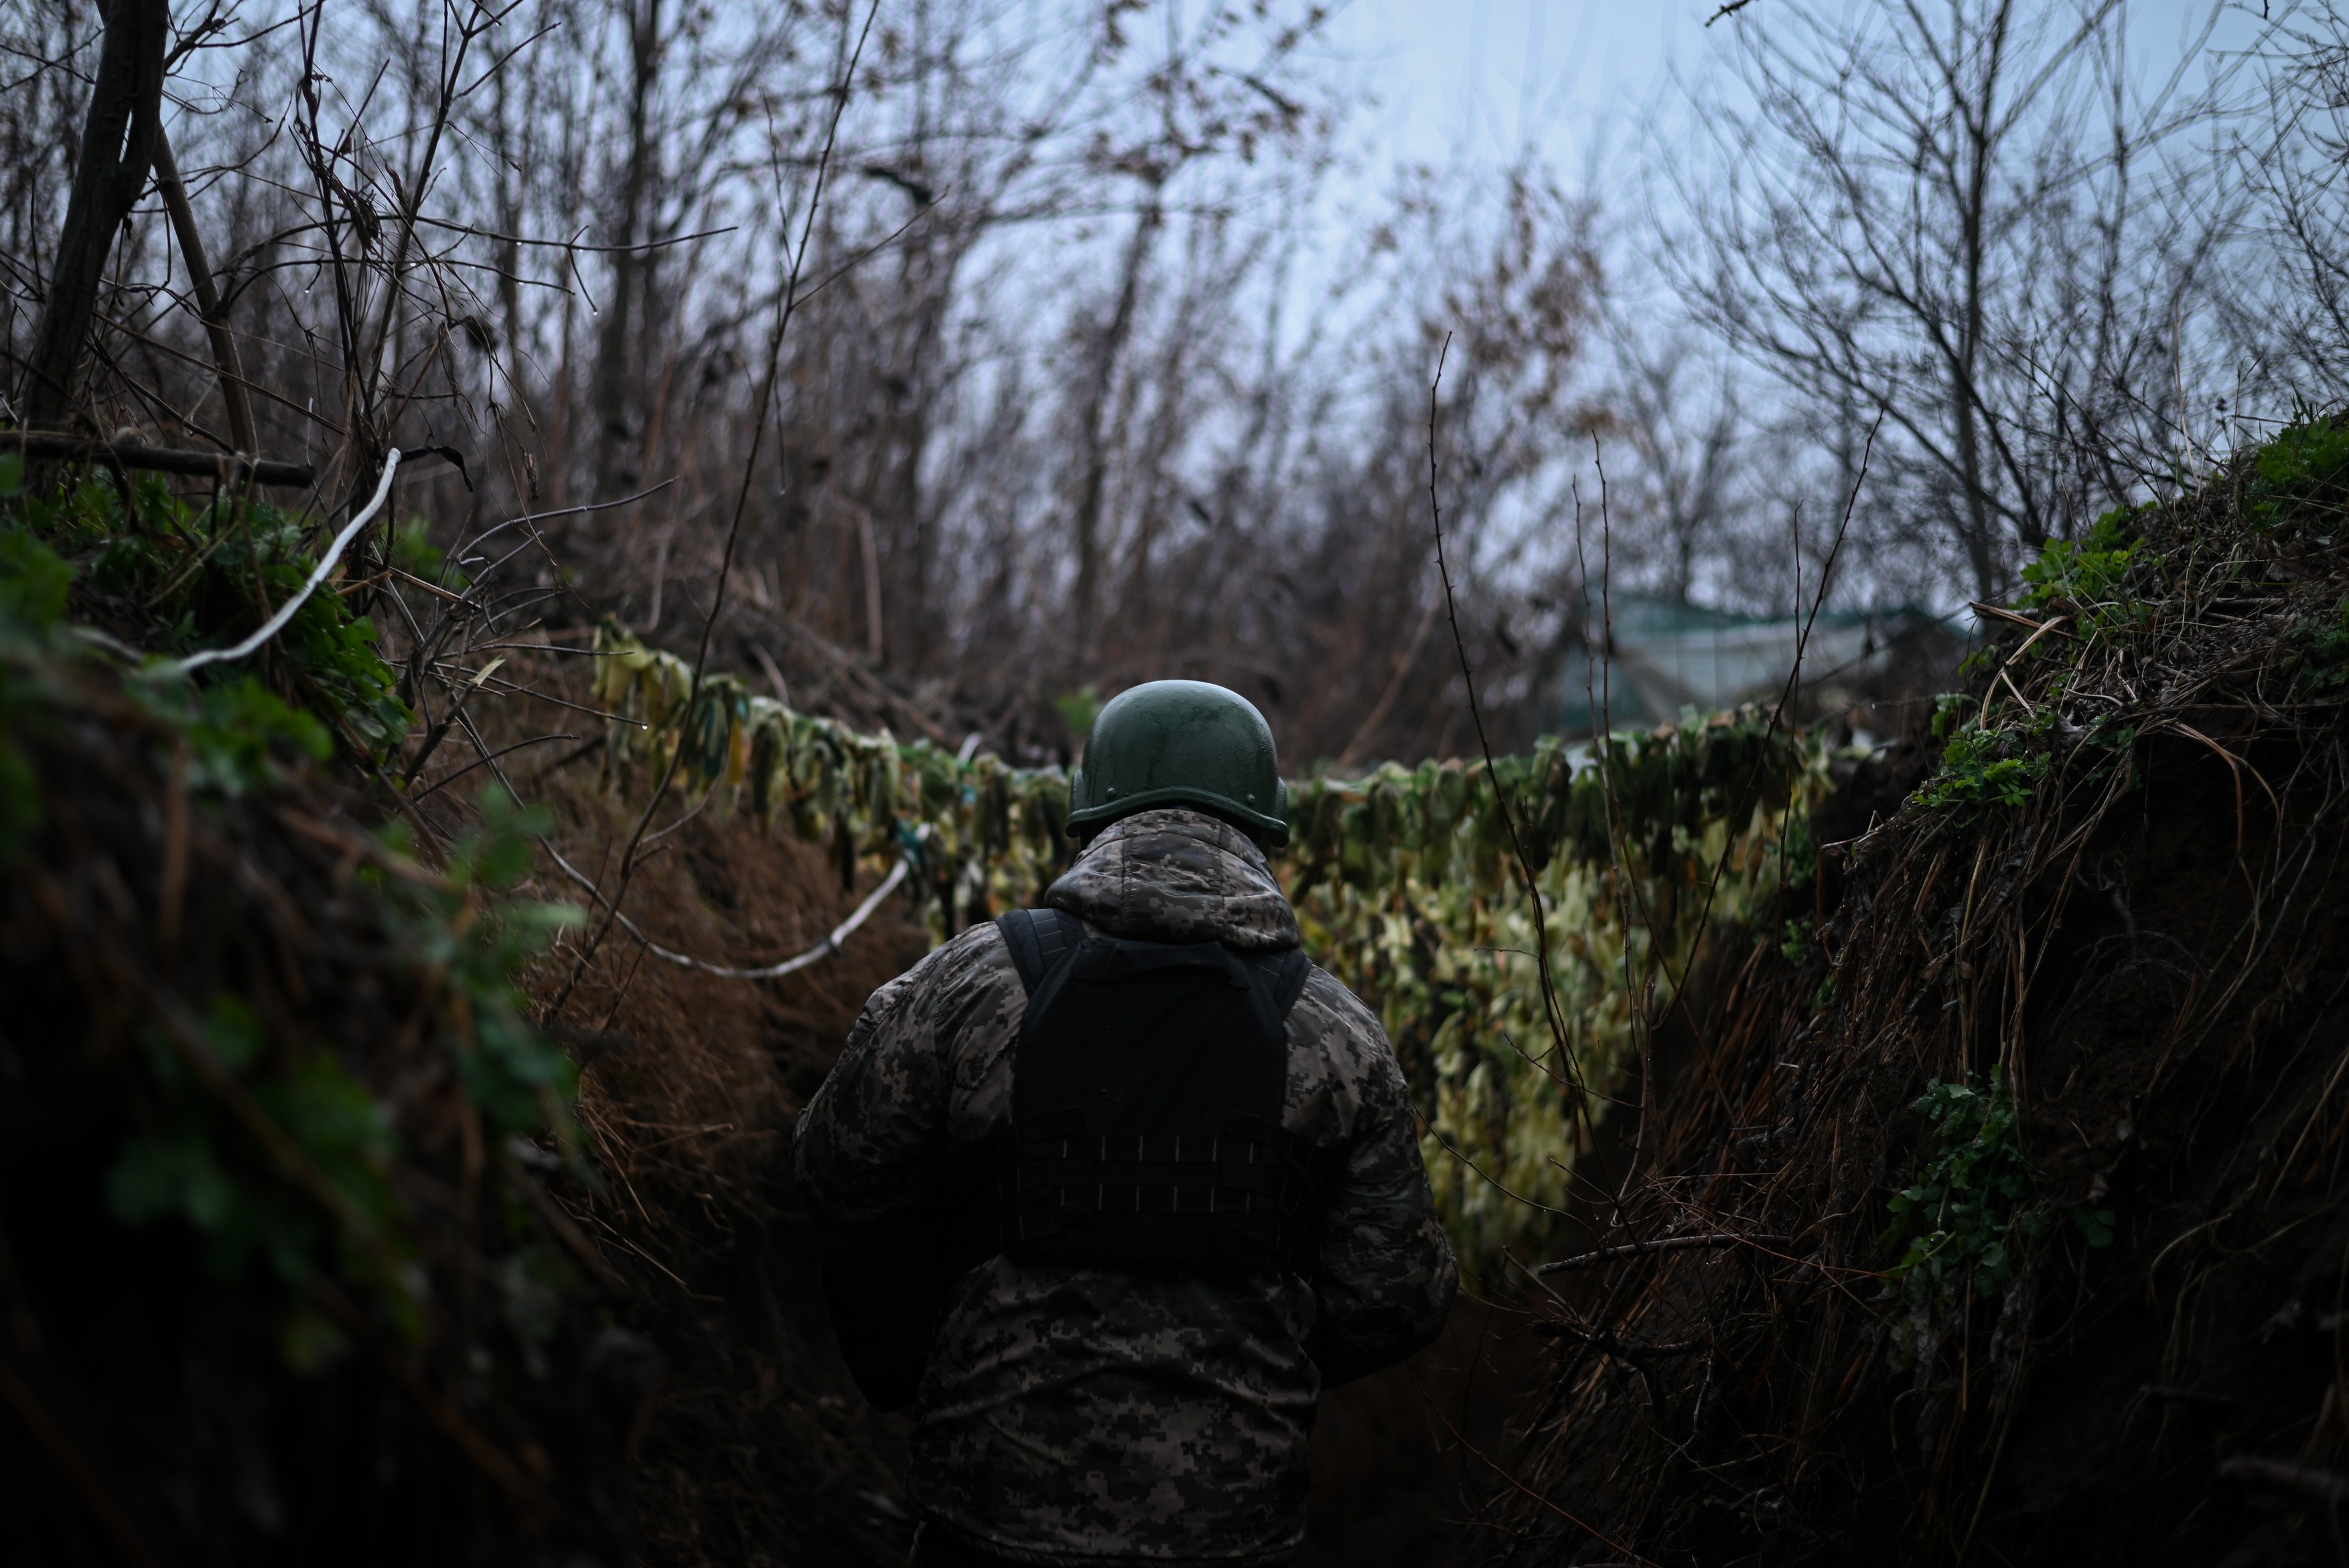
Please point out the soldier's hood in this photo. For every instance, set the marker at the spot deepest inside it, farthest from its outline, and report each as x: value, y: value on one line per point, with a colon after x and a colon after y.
x: 1173, y: 876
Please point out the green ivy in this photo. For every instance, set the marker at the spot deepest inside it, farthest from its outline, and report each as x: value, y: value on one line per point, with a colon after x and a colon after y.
x: 172, y: 575
x: 1957, y: 1226
x: 197, y: 1166
x: 1983, y: 768
x: 34, y: 584
x: 241, y: 735
x: 198, y: 1169
x: 518, y: 1079
x: 195, y: 574
x: 2084, y: 575
x: 1950, y: 711
x: 2323, y: 651
x: 2304, y: 463
x: 1796, y: 942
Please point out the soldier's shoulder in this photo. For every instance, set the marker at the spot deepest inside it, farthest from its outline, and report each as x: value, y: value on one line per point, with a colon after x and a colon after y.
x: 1328, y: 1007
x: 974, y: 947
x: 970, y: 982
x: 1342, y: 1070
x: 976, y: 957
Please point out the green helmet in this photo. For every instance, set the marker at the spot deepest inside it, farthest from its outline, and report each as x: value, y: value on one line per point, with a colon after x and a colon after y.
x: 1187, y: 743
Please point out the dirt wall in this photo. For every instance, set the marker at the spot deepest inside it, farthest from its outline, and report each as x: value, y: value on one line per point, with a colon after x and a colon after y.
x: 2151, y: 1368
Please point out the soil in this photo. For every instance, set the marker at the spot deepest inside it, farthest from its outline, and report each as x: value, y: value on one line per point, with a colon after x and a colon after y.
x: 2194, y: 1412
x: 693, y: 1408
x: 759, y: 1448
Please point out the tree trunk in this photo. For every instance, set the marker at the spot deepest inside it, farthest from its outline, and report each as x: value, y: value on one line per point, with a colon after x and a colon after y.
x: 210, y: 308
x: 1090, y: 498
x: 117, y: 147
x: 1982, y: 522
x: 617, y: 367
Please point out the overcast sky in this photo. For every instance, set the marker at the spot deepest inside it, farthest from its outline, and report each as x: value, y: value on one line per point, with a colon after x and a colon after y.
x: 1476, y: 81
x: 1599, y: 90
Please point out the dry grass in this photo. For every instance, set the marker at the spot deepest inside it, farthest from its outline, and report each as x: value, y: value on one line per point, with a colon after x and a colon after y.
x: 760, y: 1444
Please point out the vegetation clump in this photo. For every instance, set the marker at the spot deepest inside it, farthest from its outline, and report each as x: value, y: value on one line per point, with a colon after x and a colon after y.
x: 279, y: 1127
x: 1955, y: 1228
x: 2111, y: 879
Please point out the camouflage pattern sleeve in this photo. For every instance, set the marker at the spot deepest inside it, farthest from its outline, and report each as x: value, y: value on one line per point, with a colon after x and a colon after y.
x: 870, y: 1140
x: 1388, y: 1275
x: 926, y: 1071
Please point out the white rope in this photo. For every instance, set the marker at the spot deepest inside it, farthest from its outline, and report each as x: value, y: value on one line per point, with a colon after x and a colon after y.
x: 276, y: 623
x: 816, y: 954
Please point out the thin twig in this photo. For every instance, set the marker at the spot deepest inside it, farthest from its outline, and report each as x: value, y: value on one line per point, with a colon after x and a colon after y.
x: 1550, y: 1008
x: 1665, y: 1245
x: 1777, y: 715
x: 784, y: 308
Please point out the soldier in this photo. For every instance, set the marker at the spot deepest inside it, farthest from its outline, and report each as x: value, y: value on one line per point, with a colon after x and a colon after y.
x: 1120, y: 1185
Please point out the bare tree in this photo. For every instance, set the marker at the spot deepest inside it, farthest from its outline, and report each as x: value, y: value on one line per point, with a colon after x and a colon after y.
x: 1056, y: 410
x: 1971, y: 218
x: 1683, y: 487
x: 2290, y: 327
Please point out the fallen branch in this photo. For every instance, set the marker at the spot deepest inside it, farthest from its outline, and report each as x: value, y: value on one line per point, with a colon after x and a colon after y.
x: 230, y: 467
x: 1667, y: 1244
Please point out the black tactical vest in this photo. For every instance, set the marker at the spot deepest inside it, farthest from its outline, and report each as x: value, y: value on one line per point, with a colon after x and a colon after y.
x: 1146, y: 1094
x: 1145, y: 1131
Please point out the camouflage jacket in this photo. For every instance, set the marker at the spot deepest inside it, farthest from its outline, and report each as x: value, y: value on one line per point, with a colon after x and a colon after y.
x: 1080, y: 1415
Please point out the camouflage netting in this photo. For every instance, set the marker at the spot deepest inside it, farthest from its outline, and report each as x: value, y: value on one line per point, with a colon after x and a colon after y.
x: 1410, y: 884
x: 379, y: 1269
